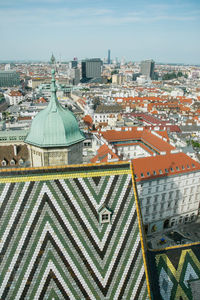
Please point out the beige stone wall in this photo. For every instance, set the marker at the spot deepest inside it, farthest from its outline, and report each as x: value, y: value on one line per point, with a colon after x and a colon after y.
x: 41, y: 157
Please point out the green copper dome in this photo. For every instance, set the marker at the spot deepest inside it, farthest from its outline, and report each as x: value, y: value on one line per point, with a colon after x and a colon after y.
x: 54, y: 126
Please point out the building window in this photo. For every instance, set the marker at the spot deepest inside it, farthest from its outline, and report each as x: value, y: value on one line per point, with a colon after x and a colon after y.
x: 192, y: 189
x: 177, y: 193
x: 105, y: 217
x: 148, y: 200
x: 163, y: 196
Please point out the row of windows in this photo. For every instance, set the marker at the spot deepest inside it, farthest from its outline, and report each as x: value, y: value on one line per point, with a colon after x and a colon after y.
x: 165, y: 210
x: 36, y: 152
x: 166, y: 170
x: 150, y: 200
x: 173, y: 185
x: 168, y: 180
x: 12, y: 138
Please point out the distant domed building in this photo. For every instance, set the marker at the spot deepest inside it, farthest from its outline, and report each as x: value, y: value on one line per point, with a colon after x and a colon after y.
x: 55, y: 137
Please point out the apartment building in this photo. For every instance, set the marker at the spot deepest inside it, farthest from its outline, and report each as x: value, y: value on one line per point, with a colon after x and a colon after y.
x: 168, y: 190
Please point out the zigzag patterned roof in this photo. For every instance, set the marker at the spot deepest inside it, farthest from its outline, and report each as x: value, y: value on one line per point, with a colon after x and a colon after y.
x: 53, y: 245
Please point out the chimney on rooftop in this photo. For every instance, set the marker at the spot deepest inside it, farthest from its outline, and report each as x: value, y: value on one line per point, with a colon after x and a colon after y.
x: 15, y: 150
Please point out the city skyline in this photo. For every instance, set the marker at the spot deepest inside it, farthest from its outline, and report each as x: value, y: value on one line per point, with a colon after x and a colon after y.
x: 167, y: 32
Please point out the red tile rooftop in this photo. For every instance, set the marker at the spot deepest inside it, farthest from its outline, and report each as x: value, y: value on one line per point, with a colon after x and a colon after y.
x: 135, y: 133
x: 163, y: 165
x: 41, y: 100
x: 88, y: 119
x: 104, y: 154
x: 15, y: 94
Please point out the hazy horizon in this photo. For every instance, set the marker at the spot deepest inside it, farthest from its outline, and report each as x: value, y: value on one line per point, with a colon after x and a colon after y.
x: 137, y: 30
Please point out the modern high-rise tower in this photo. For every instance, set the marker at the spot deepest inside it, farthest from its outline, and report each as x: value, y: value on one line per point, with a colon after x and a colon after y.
x: 109, y: 60
x: 91, y: 68
x: 147, y: 68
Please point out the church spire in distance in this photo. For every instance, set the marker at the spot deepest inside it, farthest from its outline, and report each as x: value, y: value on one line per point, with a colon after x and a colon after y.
x: 52, y: 60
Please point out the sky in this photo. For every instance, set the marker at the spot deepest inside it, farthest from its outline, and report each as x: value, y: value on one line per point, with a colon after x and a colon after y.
x: 166, y: 31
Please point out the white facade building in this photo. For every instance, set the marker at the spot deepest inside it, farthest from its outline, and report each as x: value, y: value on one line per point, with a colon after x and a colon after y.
x: 168, y: 189
x: 14, y: 97
x: 103, y: 113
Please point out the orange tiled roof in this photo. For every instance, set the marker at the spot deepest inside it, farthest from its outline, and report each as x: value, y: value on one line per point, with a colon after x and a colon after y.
x: 163, y: 165
x: 15, y: 94
x: 144, y: 135
x: 103, y: 154
x: 88, y: 119
x: 184, y: 108
x: 41, y: 100
x: 186, y: 101
x: 24, y: 118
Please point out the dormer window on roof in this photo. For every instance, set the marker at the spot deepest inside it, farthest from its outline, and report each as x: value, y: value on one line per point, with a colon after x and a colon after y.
x: 21, y: 162
x: 160, y: 171
x: 104, y: 215
x: 172, y: 169
x: 148, y: 173
x: 142, y: 175
x: 177, y: 168
x: 12, y: 162
x: 3, y: 163
x: 154, y: 172
x: 193, y: 165
x: 166, y: 170
x: 188, y: 166
x: 183, y: 168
